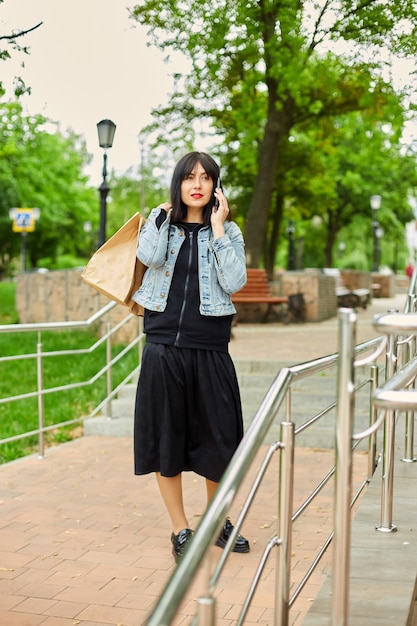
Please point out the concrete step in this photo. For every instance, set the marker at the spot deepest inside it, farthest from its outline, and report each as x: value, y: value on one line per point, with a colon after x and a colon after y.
x: 128, y: 391
x: 308, y: 397
x: 123, y: 407
x: 249, y: 366
x: 109, y: 427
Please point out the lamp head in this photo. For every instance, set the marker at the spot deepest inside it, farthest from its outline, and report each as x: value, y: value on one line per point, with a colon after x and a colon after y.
x: 106, y: 130
x: 375, y: 202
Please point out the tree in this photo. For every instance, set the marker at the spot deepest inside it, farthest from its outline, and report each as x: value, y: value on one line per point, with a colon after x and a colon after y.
x: 331, y: 167
x: 261, y: 69
x: 11, y: 42
x: 42, y: 167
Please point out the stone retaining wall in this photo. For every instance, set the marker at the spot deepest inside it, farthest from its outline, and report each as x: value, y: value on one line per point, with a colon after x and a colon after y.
x: 318, y: 291
x: 62, y: 296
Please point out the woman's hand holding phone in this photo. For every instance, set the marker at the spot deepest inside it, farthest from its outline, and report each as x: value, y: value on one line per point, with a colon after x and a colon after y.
x: 220, y: 211
x: 216, y: 198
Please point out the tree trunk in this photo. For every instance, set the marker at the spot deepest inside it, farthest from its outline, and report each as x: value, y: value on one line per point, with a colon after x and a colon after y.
x: 272, y: 245
x: 277, y: 127
x: 332, y: 229
x: 257, y: 218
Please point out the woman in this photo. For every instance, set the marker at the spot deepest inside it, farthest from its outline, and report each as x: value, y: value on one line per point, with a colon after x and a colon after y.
x: 188, y: 414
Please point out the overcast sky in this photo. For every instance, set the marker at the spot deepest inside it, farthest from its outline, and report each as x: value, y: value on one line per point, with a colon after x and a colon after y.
x: 88, y: 62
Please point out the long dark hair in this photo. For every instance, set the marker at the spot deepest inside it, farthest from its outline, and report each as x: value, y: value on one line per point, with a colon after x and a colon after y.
x: 183, y: 168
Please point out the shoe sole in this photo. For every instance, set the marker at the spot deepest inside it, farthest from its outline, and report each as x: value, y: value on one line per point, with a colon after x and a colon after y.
x: 240, y: 549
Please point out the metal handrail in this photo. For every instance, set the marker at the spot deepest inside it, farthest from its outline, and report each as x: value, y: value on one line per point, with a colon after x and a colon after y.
x: 394, y: 395
x: 41, y: 391
x: 39, y: 326
x: 210, y: 524
x: 166, y: 608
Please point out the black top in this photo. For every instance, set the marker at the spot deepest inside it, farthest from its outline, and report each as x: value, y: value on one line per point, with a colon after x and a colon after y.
x: 181, y: 324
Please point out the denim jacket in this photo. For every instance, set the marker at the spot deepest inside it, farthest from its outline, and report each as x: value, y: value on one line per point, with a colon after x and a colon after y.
x: 221, y: 265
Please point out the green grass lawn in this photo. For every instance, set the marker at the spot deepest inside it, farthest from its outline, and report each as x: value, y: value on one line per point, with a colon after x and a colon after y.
x: 8, y: 313
x: 19, y: 376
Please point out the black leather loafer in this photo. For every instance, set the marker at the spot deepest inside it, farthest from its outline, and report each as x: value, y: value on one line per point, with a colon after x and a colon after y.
x: 179, y: 542
x: 241, y: 544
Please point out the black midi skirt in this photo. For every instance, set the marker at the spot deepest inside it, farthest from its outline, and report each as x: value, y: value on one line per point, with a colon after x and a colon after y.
x: 188, y: 414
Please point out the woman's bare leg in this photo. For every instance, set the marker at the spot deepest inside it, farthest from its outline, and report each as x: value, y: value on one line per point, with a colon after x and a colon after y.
x: 171, y: 492
x: 211, y: 489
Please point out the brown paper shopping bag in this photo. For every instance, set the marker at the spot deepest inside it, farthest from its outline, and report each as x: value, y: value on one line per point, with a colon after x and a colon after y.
x: 114, y: 268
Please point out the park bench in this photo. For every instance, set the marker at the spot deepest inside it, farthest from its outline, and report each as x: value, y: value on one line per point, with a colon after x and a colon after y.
x: 257, y: 291
x: 350, y: 298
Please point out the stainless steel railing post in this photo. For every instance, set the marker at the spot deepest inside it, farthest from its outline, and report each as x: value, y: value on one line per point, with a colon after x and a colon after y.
x: 372, y: 462
x: 285, y: 505
x: 409, y: 438
x: 387, y: 493
x: 408, y: 354
x: 206, y: 615
x: 109, y: 370
x: 206, y: 611
x: 41, y: 408
x: 343, y: 480
x: 386, y: 524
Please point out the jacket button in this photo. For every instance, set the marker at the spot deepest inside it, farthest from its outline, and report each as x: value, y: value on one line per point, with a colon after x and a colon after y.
x: 167, y: 273
x: 158, y: 307
x: 172, y: 251
x: 162, y: 295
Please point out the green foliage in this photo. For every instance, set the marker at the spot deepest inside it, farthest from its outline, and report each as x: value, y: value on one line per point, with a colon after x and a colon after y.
x: 357, y: 260
x: 11, y: 46
x: 260, y: 76
x: 339, y: 163
x: 41, y: 167
x: 62, y: 262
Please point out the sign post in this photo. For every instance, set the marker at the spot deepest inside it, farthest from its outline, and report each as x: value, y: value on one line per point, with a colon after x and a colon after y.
x: 24, y: 222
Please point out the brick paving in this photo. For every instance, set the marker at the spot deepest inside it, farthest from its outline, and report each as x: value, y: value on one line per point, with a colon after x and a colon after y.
x: 296, y: 343
x: 83, y: 541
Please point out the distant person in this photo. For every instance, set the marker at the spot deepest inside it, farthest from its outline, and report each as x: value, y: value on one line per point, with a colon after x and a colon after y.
x: 409, y: 270
x: 188, y: 412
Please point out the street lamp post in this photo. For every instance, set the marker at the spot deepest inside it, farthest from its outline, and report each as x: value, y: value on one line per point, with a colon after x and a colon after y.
x: 106, y: 130
x: 291, y: 245
x: 375, y: 206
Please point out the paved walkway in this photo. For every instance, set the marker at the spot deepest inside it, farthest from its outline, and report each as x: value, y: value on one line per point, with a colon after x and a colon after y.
x: 295, y: 343
x: 85, y: 542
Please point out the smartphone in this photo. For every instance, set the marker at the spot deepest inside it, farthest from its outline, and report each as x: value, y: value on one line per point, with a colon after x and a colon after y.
x: 218, y: 186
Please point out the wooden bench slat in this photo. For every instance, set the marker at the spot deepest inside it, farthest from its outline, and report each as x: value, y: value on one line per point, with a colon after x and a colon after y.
x: 261, y: 300
x: 260, y: 292
x: 257, y: 290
